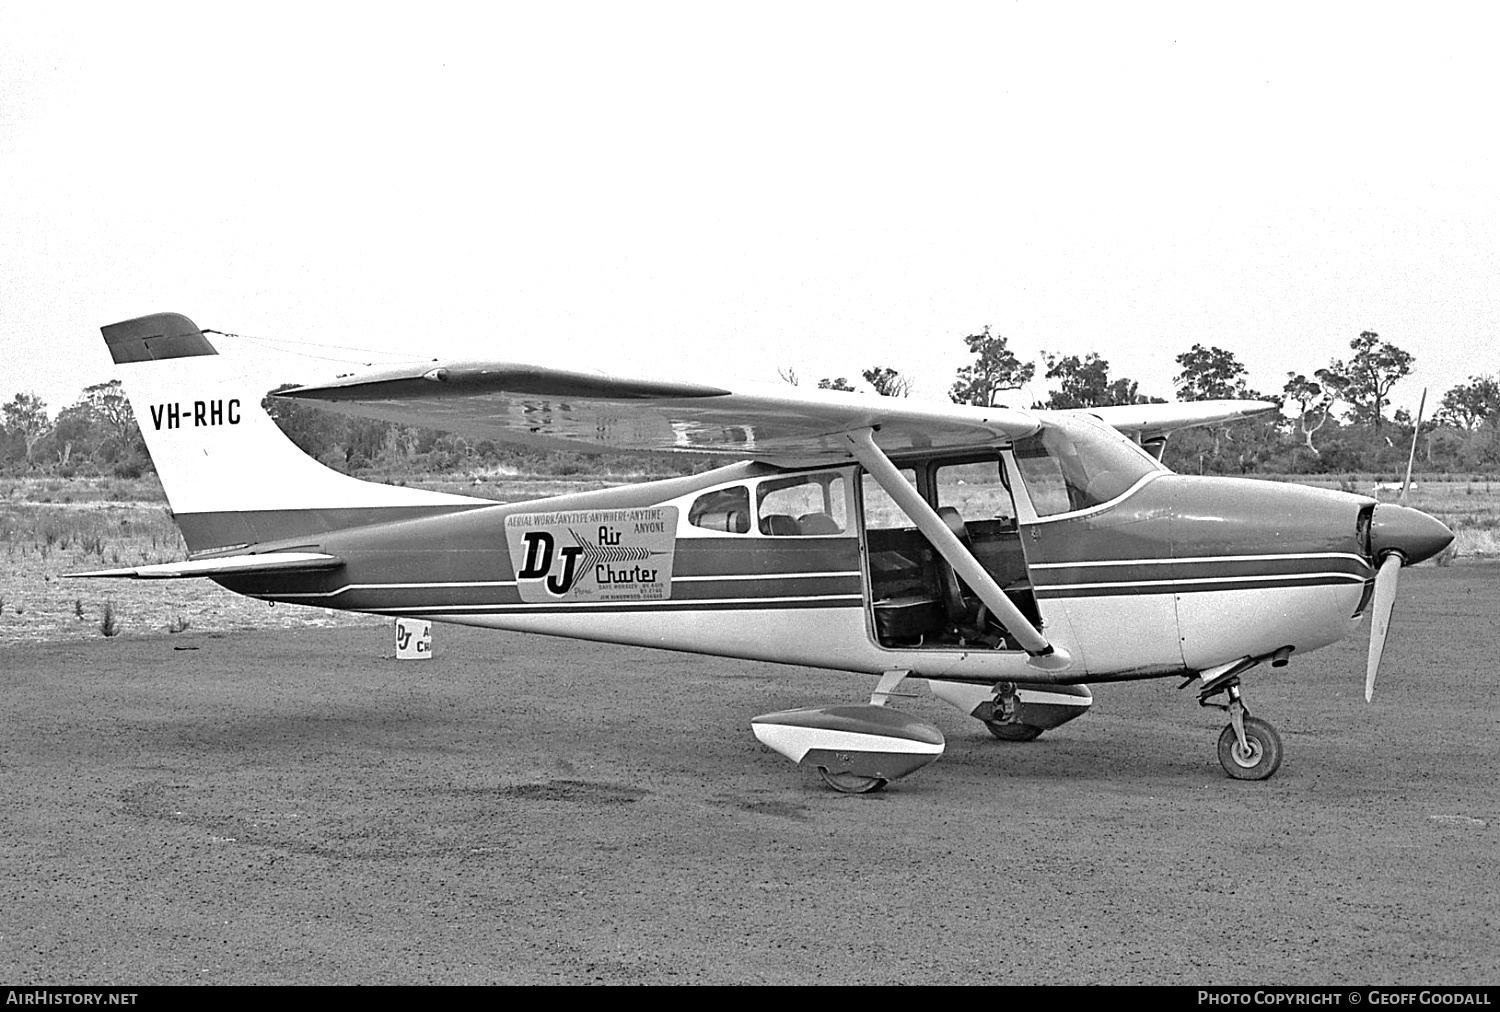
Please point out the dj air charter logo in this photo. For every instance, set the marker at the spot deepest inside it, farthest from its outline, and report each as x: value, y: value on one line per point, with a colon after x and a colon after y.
x: 593, y: 555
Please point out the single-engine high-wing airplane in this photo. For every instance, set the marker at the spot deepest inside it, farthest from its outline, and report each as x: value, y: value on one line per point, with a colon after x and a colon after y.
x: 1008, y: 557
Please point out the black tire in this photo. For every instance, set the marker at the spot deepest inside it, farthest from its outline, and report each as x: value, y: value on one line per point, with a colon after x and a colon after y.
x: 1013, y: 732
x: 1263, y: 757
x: 850, y: 783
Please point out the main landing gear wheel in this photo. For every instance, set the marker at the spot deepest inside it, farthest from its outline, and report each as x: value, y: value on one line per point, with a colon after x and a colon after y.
x: 1013, y: 732
x: 850, y: 783
x: 1258, y: 759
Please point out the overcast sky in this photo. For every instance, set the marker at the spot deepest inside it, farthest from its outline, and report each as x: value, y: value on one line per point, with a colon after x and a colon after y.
x: 716, y: 190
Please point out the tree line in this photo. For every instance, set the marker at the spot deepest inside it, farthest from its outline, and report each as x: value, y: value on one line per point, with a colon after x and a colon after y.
x: 1333, y: 421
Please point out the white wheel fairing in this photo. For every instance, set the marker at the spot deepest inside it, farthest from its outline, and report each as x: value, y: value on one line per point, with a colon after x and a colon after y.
x: 796, y: 742
x: 961, y: 695
x: 1038, y: 707
x: 1042, y: 697
x: 863, y: 741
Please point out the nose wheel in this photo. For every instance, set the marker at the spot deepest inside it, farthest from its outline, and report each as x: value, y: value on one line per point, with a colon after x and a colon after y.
x: 1254, y: 759
x: 1249, y: 748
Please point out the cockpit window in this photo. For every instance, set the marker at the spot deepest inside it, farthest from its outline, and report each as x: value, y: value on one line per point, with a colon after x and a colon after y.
x: 1074, y: 463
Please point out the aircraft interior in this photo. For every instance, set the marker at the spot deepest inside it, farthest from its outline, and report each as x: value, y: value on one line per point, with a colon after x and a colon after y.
x: 918, y: 599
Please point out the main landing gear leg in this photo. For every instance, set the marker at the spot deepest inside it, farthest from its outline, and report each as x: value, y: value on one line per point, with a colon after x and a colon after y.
x: 1249, y: 748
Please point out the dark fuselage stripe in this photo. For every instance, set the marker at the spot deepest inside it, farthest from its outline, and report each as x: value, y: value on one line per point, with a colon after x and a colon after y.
x: 635, y: 607
x: 1147, y: 572
x: 1206, y: 586
x: 503, y: 592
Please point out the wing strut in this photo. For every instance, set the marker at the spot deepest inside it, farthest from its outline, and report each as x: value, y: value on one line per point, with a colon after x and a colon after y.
x: 1043, y: 654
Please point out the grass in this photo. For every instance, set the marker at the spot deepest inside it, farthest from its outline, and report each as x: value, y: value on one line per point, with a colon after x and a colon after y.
x: 82, y: 490
x: 1470, y: 508
x: 89, y: 532
x: 43, y: 541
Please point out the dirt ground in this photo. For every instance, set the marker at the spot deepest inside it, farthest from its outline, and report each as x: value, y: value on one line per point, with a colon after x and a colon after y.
x: 295, y: 806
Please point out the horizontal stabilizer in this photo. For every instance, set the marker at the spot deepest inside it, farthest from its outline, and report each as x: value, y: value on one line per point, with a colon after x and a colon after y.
x: 232, y: 565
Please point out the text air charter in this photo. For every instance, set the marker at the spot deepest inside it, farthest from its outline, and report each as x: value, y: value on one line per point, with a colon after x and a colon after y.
x: 593, y: 555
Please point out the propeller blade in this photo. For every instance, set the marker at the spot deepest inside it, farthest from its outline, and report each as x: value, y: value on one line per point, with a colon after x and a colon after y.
x: 1412, y: 457
x: 1380, y: 617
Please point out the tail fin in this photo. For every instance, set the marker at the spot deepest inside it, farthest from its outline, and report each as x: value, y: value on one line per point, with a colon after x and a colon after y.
x: 231, y: 477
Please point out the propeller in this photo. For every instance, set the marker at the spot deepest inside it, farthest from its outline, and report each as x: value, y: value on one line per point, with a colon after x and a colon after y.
x: 1380, y: 616
x: 1389, y: 574
x: 1399, y: 536
x: 1411, y: 458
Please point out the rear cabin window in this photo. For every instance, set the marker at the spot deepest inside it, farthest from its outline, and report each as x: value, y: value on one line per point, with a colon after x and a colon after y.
x: 805, y: 506
x: 723, y: 509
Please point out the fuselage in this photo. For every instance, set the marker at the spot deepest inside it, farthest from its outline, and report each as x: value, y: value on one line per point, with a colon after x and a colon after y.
x: 1173, y: 574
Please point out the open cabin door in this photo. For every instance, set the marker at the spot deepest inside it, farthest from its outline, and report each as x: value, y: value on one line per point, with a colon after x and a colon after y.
x: 916, y: 599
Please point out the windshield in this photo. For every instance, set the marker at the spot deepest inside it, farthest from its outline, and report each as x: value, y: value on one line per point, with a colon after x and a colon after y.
x: 1075, y: 462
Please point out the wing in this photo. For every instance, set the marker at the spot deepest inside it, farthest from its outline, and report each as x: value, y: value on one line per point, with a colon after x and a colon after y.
x: 1151, y: 422
x: 560, y: 409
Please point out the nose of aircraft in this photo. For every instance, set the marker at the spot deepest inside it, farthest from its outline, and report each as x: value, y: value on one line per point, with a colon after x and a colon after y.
x: 1409, y: 533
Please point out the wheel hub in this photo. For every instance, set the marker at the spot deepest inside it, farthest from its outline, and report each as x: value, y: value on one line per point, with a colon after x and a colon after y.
x: 1247, y: 755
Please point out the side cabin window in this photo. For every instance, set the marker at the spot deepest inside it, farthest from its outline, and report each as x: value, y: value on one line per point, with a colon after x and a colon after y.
x: 900, y: 559
x: 1075, y: 463
x: 803, y: 506
x: 978, y: 491
x: 881, y: 511
x: 723, y: 509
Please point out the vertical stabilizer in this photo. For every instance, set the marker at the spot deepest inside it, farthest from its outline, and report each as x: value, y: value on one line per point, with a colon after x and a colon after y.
x: 232, y: 477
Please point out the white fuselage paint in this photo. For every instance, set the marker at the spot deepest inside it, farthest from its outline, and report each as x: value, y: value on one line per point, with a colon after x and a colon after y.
x: 1209, y: 628
x: 1217, y: 626
x: 1199, y: 629
x: 835, y: 638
